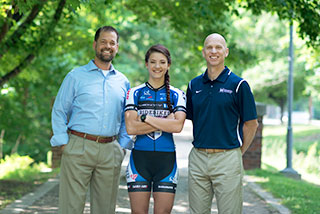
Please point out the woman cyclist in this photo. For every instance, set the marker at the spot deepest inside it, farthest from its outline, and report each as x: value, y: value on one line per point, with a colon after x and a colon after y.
x: 154, y: 110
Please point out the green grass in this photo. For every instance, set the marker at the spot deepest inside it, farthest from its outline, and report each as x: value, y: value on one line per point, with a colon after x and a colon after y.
x: 303, y: 136
x: 298, y: 196
x: 19, y: 176
x: 306, y: 149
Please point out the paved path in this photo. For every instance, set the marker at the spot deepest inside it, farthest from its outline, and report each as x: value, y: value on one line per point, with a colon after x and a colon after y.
x: 45, y: 199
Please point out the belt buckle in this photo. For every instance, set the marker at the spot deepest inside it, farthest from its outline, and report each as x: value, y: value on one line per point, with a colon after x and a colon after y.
x: 97, y: 140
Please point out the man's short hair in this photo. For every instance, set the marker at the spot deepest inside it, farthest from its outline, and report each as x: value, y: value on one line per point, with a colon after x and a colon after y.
x: 105, y: 29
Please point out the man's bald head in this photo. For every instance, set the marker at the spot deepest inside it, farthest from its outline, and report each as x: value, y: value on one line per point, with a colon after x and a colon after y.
x: 215, y: 51
x: 216, y: 37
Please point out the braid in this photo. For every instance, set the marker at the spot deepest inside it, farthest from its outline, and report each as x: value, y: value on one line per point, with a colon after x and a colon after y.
x: 167, y: 82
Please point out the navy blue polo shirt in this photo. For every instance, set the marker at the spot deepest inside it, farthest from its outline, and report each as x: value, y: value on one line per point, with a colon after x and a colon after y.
x: 218, y: 110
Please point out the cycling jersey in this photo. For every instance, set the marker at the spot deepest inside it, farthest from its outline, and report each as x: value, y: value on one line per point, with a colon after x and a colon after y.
x: 147, y: 100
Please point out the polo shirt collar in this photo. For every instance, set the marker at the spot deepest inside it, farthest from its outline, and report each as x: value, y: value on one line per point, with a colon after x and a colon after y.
x: 221, y: 78
x: 92, y: 67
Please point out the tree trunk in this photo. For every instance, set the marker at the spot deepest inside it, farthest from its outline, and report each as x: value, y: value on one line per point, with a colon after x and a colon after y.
x: 15, y: 16
x: 15, y: 148
x: 5, y: 26
x: 310, y: 109
x: 281, y: 105
x: 43, y: 38
x: 1, y: 143
x: 281, y: 115
x: 16, y: 70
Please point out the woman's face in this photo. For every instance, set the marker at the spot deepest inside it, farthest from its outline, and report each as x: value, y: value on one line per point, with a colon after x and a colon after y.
x: 157, y: 66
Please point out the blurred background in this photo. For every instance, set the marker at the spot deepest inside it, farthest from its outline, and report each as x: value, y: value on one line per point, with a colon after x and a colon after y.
x: 42, y: 40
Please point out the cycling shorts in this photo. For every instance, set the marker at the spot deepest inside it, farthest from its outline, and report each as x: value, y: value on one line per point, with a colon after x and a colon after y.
x: 152, y: 170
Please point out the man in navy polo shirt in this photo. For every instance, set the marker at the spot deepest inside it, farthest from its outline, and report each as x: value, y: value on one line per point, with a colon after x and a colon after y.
x: 223, y: 112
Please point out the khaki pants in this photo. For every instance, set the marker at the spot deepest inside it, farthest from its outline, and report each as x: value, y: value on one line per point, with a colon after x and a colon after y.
x: 218, y: 174
x: 87, y: 162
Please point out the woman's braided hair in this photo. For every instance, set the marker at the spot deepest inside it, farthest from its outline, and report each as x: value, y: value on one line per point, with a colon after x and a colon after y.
x: 162, y: 49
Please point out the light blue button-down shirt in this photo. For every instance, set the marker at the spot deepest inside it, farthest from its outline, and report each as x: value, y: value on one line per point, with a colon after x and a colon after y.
x: 92, y: 103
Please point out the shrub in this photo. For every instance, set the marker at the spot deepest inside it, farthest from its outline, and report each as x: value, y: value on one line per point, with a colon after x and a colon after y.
x: 20, y: 168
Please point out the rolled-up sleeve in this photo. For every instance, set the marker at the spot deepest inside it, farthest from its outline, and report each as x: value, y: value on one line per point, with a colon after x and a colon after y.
x: 125, y: 140
x: 61, y: 111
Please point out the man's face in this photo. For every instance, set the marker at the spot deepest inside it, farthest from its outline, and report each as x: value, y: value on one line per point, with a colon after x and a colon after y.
x: 106, y: 47
x: 215, y: 50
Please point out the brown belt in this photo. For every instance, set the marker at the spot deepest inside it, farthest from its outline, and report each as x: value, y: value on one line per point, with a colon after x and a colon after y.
x: 98, y: 139
x: 210, y: 151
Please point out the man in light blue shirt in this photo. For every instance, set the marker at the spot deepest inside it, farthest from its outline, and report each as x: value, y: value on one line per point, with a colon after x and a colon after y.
x: 88, y: 125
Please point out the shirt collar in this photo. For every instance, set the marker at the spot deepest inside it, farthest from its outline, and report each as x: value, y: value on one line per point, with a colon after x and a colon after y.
x: 155, y: 89
x: 92, y: 67
x: 221, y: 78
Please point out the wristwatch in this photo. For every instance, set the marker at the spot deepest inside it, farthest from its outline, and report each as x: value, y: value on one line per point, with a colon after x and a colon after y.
x: 143, y: 117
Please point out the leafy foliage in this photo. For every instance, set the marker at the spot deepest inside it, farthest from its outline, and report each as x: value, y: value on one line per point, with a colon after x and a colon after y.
x: 269, y: 76
x: 305, y: 12
x: 192, y: 21
x: 42, y: 40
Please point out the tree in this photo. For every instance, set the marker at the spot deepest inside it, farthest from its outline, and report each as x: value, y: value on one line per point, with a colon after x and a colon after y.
x: 311, y: 57
x: 269, y: 81
x: 304, y: 12
x: 42, y: 40
x: 269, y: 76
x: 26, y: 99
x: 24, y: 28
x: 19, y: 45
x: 197, y: 17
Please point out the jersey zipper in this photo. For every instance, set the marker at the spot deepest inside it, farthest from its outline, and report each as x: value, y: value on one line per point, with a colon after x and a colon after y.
x: 154, y: 113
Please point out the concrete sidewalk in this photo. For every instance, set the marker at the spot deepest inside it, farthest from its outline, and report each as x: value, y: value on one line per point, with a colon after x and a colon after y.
x: 45, y: 198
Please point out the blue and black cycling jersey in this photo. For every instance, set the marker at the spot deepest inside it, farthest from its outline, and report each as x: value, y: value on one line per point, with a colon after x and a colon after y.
x: 147, y: 100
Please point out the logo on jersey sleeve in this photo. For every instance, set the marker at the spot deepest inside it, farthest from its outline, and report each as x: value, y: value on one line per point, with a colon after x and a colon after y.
x: 179, y: 101
x: 128, y: 92
x: 183, y: 95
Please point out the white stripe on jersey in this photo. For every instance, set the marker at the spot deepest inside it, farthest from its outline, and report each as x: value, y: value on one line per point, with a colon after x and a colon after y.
x: 239, y: 85
x: 238, y: 134
x: 181, y: 95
